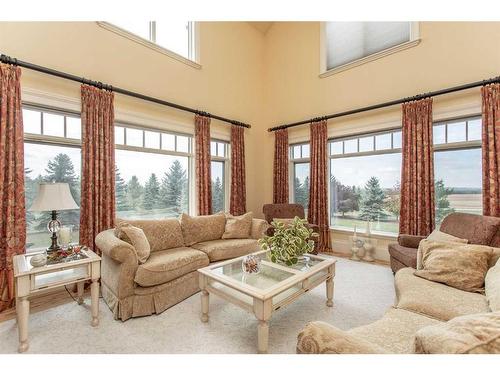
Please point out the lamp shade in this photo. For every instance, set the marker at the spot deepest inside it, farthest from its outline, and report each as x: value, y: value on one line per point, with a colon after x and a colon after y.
x: 53, y: 196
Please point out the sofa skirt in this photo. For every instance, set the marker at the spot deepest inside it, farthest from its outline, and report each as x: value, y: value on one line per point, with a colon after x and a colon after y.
x: 152, y: 300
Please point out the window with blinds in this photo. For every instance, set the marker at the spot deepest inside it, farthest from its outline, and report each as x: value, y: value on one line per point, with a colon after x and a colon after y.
x: 350, y: 41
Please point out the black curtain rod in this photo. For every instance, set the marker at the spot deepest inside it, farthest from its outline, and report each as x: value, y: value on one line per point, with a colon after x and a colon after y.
x: 391, y: 103
x: 24, y: 64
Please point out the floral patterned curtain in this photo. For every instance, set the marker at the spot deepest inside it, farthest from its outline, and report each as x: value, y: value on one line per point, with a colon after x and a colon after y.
x: 237, y: 204
x: 318, y: 190
x: 491, y: 149
x: 97, y: 211
x: 12, y: 203
x: 417, y: 173
x: 203, y: 179
x: 280, y: 172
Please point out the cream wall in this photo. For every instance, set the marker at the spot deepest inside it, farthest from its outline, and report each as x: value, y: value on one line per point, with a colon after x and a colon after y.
x: 449, y: 54
x: 229, y: 82
x: 263, y: 79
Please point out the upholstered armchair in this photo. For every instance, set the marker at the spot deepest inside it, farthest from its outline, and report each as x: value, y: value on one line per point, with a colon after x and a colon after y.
x: 478, y: 229
x: 285, y: 211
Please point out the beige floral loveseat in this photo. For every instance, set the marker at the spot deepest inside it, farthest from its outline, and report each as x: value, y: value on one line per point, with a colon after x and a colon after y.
x: 178, y: 249
x: 428, y: 317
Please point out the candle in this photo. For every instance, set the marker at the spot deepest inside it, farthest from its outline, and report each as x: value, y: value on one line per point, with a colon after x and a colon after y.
x: 65, y: 236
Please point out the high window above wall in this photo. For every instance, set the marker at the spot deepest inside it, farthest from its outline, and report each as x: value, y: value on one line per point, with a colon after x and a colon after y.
x: 348, y: 44
x: 153, y: 172
x: 177, y: 39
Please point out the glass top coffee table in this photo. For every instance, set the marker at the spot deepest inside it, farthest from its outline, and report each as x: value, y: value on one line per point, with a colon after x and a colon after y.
x: 275, y: 286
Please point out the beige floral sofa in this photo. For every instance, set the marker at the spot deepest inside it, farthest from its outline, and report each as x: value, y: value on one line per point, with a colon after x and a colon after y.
x: 427, y: 317
x: 178, y: 249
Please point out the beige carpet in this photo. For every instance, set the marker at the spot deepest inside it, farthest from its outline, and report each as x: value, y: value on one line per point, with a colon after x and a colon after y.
x: 362, y: 294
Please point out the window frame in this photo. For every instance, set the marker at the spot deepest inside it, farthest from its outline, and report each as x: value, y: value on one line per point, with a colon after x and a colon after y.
x: 226, y: 170
x: 291, y: 167
x: 331, y: 156
x: 49, y: 140
x: 325, y: 72
x: 189, y: 154
x: 193, y: 58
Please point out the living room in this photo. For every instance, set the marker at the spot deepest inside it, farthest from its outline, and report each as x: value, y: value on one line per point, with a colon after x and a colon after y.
x: 249, y: 186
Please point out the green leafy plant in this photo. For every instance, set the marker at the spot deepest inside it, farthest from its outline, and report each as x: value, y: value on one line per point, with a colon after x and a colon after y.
x: 289, y: 241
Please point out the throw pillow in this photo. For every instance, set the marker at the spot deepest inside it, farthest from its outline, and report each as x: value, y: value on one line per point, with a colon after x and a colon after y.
x: 439, y: 236
x: 468, y: 334
x: 492, y: 287
x: 197, y: 229
x: 238, y: 226
x: 458, y: 265
x: 136, y: 237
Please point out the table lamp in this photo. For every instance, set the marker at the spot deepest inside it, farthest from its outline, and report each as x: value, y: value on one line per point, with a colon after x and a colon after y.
x: 53, y: 196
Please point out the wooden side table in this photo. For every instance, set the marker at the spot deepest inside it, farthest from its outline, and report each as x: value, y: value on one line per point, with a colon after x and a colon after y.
x: 30, y: 280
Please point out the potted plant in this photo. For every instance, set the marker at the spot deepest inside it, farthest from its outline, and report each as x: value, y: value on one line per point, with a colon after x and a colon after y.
x: 289, y: 241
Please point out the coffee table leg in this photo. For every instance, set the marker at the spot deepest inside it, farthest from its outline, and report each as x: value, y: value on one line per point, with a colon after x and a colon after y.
x: 79, y: 288
x: 329, y: 287
x: 263, y: 336
x: 23, y: 312
x: 94, y: 298
x: 204, y: 306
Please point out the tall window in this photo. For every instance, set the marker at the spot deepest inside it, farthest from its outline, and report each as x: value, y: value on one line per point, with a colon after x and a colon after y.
x: 152, y: 173
x: 52, y: 153
x: 300, y: 164
x: 219, y: 154
x: 175, y: 35
x: 365, y: 174
x: 457, y: 167
x: 347, y: 42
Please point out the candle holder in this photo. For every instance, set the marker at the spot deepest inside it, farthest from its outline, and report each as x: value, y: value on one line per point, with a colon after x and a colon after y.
x: 65, y: 236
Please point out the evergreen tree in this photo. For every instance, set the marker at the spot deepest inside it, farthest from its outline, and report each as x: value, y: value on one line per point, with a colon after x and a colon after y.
x: 61, y: 169
x: 344, y: 198
x: 134, y: 193
x: 173, y: 189
x: 217, y: 195
x: 301, y: 192
x: 393, y: 202
x: 120, y: 191
x: 373, y: 201
x: 443, y: 208
x: 30, y: 190
x: 151, y: 193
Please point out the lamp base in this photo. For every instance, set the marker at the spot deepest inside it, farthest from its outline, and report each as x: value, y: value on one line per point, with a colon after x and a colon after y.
x: 53, y: 227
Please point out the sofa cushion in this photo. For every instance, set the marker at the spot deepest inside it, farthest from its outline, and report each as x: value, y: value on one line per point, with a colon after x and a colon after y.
x: 470, y: 334
x: 436, y: 300
x: 136, y: 237
x: 477, y: 229
x: 458, y: 265
x: 238, y: 226
x: 439, y: 236
x: 226, y: 249
x: 202, y: 228
x: 166, y: 265
x: 162, y: 234
x: 396, y: 330
x: 492, y: 287
x: 405, y: 255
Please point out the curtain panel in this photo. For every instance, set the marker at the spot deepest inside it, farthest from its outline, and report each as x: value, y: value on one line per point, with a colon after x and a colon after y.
x: 12, y: 203
x: 97, y: 211
x: 491, y: 149
x: 280, y: 169
x: 238, y: 197
x: 202, y: 156
x: 417, y: 212
x: 318, y: 190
